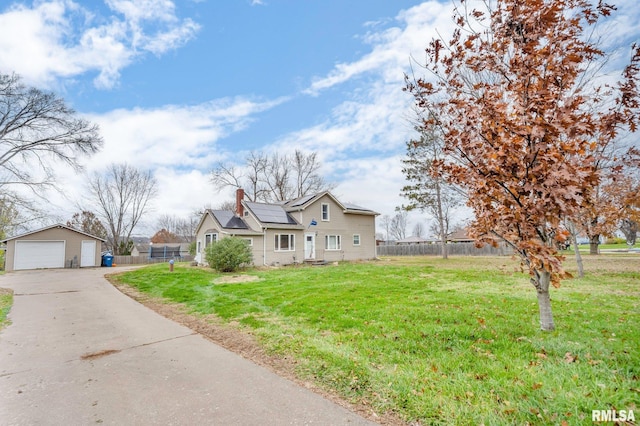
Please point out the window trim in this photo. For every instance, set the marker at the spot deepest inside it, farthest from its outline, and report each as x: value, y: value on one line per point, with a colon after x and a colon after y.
x: 292, y: 243
x: 356, y: 236
x: 248, y: 240
x: 338, y: 240
x: 214, y: 238
x: 322, y: 212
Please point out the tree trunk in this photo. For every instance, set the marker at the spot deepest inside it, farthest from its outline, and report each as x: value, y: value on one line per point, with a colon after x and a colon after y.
x: 442, y: 222
x: 574, y: 241
x: 594, y: 241
x: 543, y: 279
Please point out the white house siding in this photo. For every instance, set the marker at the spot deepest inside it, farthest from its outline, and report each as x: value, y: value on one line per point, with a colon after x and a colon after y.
x: 273, y: 257
x: 208, y: 224
x: 339, y: 223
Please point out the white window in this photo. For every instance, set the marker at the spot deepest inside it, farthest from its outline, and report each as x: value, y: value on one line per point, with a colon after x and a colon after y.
x: 209, y: 239
x: 356, y: 239
x: 285, y: 242
x: 333, y: 242
x: 249, y: 241
x: 325, y: 212
x: 199, y: 247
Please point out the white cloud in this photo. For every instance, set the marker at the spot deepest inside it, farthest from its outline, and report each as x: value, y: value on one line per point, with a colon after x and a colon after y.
x: 361, y: 143
x: 60, y: 38
x: 179, y: 144
x: 393, y: 47
x: 173, y: 136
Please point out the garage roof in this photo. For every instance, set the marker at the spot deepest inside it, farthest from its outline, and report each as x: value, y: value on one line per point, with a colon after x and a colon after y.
x: 58, y: 225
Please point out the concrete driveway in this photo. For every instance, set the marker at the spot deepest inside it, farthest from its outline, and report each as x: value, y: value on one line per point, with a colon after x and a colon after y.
x: 79, y: 352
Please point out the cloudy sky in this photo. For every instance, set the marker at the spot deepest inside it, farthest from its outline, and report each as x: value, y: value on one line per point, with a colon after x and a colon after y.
x: 177, y: 86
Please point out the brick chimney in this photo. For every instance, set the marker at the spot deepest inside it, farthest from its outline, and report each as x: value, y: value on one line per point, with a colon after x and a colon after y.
x: 239, y: 198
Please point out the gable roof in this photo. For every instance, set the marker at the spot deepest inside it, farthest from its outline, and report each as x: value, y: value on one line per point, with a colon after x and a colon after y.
x: 227, y: 219
x: 57, y: 225
x: 304, y: 202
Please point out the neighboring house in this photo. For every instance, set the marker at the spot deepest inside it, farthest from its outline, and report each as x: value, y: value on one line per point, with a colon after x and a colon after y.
x: 312, y: 228
x: 56, y: 246
x: 413, y: 240
x: 460, y: 236
x: 161, y: 250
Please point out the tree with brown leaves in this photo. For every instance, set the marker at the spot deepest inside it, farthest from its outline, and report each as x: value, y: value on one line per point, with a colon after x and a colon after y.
x: 524, y: 120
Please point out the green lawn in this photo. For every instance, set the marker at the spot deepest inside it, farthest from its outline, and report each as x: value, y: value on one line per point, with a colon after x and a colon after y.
x: 438, y: 342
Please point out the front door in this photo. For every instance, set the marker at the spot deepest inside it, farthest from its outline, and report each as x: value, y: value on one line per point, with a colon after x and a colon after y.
x: 310, y: 245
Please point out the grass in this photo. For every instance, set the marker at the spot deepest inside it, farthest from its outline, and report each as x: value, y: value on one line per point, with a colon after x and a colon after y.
x: 438, y: 342
x: 6, y: 301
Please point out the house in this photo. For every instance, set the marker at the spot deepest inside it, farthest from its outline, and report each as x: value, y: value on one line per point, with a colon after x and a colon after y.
x: 312, y: 228
x: 56, y: 246
x: 460, y: 236
x: 413, y: 240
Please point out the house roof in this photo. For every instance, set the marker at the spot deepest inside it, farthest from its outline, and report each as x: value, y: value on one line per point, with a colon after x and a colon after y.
x: 57, y: 225
x: 227, y: 219
x: 353, y: 208
x: 271, y: 213
x: 302, y: 203
x: 299, y: 202
x: 460, y: 235
x: 412, y: 240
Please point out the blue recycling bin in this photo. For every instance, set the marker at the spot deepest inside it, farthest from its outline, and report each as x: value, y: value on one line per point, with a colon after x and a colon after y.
x: 107, y: 260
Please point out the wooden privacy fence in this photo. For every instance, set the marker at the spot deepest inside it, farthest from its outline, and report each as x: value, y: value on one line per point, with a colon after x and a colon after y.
x: 454, y: 249
x: 143, y: 260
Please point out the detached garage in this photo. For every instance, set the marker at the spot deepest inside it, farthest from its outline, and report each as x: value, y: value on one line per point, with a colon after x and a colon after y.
x: 57, y: 246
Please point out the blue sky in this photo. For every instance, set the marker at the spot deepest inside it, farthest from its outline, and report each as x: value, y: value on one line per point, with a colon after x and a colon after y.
x: 177, y: 86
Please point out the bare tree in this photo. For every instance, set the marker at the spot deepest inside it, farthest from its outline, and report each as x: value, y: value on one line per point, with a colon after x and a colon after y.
x: 306, y: 168
x: 37, y: 128
x: 18, y: 214
x: 385, y: 223
x: 184, y: 228
x: 398, y: 226
x: 277, y: 177
x: 122, y: 195
x: 9, y: 217
x: 418, y: 230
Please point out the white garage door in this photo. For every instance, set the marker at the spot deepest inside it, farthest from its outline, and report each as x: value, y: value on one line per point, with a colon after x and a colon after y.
x: 88, y: 254
x: 39, y: 254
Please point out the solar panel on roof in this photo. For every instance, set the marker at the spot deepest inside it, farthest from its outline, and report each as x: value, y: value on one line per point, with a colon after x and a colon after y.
x: 271, y: 213
x: 300, y: 201
x: 229, y: 220
x: 355, y: 207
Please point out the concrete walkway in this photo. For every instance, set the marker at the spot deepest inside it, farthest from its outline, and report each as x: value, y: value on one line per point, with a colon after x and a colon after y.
x: 79, y: 352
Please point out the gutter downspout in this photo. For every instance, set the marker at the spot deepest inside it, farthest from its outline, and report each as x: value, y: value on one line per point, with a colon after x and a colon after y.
x: 264, y: 246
